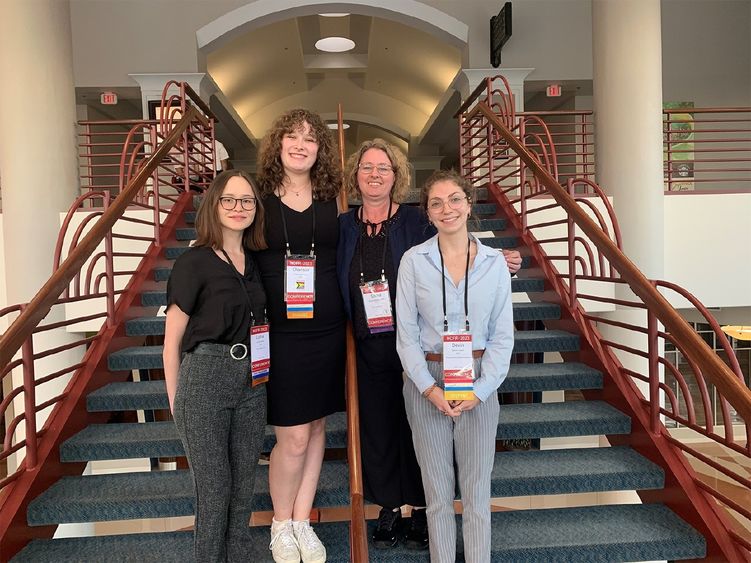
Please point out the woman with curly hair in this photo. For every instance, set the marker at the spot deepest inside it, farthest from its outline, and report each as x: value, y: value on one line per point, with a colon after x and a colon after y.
x: 300, y: 179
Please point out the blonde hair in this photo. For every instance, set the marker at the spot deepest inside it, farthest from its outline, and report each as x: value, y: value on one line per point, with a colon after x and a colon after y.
x: 402, y: 169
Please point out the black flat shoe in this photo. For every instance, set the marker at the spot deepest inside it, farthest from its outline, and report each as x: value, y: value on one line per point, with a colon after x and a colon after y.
x: 386, y: 532
x: 417, y: 534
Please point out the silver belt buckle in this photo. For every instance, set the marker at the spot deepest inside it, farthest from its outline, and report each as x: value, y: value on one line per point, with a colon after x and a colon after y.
x: 242, y: 347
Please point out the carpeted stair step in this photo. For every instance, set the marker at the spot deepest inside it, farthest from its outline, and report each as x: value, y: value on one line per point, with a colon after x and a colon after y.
x: 167, y: 493
x: 569, y: 471
x: 536, y: 311
x: 501, y: 241
x: 130, y: 440
x: 151, y: 395
x: 527, y: 284
x: 484, y: 208
x: 190, y: 217
x: 595, y: 534
x: 154, y: 298
x: 553, y: 420
x: 582, y: 534
x: 172, y: 252
x: 128, y: 396
x: 157, y: 494
x: 185, y: 233
x: 150, y: 357
x: 167, y: 547
x: 550, y: 377
x: 144, y: 326
x: 160, y: 439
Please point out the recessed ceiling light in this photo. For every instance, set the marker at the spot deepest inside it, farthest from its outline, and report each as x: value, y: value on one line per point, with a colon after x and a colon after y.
x: 333, y: 15
x: 335, y: 44
x: 336, y: 125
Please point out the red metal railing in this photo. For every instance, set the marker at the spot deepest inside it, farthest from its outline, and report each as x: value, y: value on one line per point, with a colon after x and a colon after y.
x: 625, y: 317
x: 707, y: 149
x: 100, y: 255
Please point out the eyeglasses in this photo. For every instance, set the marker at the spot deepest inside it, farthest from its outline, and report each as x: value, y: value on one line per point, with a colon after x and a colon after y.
x: 455, y: 202
x: 383, y: 169
x: 229, y: 203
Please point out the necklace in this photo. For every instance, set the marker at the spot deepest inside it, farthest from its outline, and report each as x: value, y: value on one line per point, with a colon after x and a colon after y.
x: 297, y: 192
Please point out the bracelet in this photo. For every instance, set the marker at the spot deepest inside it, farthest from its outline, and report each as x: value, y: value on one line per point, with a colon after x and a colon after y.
x: 428, y: 391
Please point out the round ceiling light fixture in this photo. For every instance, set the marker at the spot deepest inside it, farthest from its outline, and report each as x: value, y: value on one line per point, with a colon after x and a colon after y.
x: 335, y: 44
x: 335, y: 125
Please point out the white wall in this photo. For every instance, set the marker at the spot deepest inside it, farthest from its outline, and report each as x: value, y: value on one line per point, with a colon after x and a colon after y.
x: 707, y: 247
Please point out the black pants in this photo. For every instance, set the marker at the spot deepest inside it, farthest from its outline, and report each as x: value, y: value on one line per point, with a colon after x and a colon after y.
x: 391, y: 475
x: 221, y: 422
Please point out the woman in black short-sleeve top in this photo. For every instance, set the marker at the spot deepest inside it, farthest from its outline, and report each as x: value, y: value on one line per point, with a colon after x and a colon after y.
x: 214, y: 295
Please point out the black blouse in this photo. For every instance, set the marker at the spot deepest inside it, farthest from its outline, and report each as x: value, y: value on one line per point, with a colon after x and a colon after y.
x: 208, y: 290
x: 371, y: 246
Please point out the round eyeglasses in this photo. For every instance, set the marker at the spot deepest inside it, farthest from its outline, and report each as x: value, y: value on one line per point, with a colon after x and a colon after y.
x: 382, y: 169
x: 229, y: 203
x: 454, y: 202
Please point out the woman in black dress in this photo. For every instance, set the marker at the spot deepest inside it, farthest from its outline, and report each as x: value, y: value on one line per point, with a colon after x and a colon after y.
x: 214, y: 297
x: 300, y: 180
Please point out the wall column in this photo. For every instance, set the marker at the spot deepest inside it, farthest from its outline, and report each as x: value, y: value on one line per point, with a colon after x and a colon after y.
x: 628, y: 123
x: 39, y: 148
x: 628, y: 146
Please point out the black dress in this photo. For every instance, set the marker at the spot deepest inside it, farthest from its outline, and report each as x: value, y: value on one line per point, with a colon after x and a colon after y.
x: 307, y: 355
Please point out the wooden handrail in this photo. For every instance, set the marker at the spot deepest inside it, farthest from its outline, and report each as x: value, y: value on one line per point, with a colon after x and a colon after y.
x: 358, y: 539
x: 195, y: 98
x: 472, y: 97
x: 734, y: 391
x: 23, y: 326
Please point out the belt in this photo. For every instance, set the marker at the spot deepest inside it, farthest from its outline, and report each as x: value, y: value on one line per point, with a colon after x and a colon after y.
x: 437, y: 357
x: 237, y: 351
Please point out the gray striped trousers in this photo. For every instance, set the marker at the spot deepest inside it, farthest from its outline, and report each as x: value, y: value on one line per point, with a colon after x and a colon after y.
x: 438, y: 439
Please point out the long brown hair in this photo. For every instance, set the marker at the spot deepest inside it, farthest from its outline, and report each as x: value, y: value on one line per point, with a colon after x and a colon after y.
x: 402, y: 169
x: 326, y: 174
x: 209, y: 227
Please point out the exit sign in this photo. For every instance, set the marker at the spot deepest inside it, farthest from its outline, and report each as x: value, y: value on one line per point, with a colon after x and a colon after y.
x: 554, y: 91
x: 108, y: 98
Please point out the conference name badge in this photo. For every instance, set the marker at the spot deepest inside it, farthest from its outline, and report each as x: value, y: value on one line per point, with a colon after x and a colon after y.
x: 260, y: 354
x: 458, y: 367
x: 299, y: 285
x: 377, y: 301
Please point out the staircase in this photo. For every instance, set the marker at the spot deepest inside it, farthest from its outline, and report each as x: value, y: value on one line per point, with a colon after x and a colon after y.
x: 611, y: 532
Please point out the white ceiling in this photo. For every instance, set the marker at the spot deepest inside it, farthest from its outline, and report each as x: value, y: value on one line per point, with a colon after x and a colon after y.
x: 389, y: 85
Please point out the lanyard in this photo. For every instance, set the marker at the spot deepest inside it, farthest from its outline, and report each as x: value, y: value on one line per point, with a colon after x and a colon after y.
x: 466, y: 288
x: 313, y: 234
x: 242, y: 286
x: 385, y: 245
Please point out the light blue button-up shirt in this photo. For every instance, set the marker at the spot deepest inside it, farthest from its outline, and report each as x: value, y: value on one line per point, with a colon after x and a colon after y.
x: 419, y: 313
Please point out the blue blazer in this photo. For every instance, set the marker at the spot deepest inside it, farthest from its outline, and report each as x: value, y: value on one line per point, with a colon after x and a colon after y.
x: 410, y: 227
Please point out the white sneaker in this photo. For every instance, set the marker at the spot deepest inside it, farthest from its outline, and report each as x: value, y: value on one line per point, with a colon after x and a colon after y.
x: 283, y: 544
x: 311, y: 548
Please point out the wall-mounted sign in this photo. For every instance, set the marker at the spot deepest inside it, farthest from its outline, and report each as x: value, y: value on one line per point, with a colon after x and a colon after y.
x: 500, y: 32
x: 554, y: 91
x: 108, y: 98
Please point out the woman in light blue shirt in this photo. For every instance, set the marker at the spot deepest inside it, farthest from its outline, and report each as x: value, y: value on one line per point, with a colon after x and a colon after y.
x: 453, y: 284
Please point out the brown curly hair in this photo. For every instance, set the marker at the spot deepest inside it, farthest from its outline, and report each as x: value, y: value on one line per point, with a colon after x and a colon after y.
x: 402, y: 169
x: 326, y: 174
